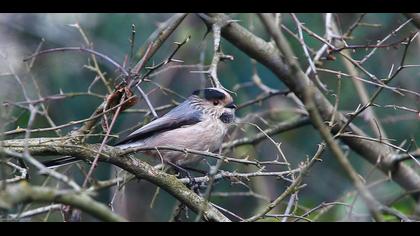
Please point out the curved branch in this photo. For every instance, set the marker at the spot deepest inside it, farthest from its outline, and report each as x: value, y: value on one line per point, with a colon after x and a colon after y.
x: 120, y: 158
x: 87, y: 50
x: 23, y: 192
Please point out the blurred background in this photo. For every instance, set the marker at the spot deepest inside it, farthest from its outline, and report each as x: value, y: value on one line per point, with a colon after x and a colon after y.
x: 67, y: 73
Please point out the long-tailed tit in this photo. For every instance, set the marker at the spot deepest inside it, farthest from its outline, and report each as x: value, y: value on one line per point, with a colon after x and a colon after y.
x: 199, y: 123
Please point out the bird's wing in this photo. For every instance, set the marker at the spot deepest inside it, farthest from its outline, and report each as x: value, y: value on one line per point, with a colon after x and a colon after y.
x: 181, y: 115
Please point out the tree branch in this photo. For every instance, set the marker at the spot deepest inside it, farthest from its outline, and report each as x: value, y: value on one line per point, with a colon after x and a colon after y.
x: 120, y: 158
x: 269, y: 56
x: 23, y: 192
x: 158, y: 38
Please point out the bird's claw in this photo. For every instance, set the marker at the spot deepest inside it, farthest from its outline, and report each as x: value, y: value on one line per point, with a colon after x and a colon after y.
x: 193, y: 184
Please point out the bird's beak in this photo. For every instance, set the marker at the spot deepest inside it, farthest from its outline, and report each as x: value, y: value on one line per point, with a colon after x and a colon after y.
x: 231, y: 105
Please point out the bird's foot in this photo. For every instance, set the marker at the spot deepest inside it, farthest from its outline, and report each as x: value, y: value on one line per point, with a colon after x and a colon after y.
x: 192, y: 183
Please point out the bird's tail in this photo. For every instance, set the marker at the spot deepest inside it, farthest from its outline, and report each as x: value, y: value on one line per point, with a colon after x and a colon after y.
x: 67, y: 160
x: 61, y: 161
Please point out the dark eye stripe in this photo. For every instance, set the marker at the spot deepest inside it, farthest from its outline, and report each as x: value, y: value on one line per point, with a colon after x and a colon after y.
x: 210, y: 94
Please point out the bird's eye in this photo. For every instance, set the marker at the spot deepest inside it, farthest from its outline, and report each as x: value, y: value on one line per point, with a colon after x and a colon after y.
x: 215, y: 102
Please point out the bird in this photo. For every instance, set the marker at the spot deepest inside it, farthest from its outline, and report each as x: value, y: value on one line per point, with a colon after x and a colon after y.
x: 199, y: 123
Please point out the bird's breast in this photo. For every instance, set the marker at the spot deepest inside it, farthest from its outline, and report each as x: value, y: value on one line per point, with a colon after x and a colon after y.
x: 206, y: 135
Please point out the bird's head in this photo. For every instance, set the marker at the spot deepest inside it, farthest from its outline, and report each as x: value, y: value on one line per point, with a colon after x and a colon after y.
x: 216, y: 102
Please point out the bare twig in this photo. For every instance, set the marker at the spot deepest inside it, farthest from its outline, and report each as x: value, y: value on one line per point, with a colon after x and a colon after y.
x: 291, y: 188
x: 158, y: 37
